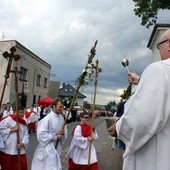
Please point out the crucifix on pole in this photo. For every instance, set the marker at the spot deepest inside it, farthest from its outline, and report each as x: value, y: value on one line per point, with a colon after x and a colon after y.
x: 10, y: 56
x: 97, y: 71
x: 82, y: 80
x: 16, y: 72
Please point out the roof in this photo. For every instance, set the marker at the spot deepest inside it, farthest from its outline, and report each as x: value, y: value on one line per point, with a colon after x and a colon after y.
x: 154, y: 31
x: 68, y: 91
x: 26, y: 50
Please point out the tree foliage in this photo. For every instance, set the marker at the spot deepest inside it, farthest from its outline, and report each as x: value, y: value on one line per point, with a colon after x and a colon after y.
x: 147, y: 10
x: 126, y: 93
x: 110, y: 105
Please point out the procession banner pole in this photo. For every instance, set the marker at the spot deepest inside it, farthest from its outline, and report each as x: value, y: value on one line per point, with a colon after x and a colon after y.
x: 17, y: 113
x: 11, y: 56
x: 82, y: 80
x: 97, y: 70
x: 16, y: 110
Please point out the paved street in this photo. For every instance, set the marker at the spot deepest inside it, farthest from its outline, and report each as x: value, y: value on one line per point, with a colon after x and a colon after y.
x: 108, y: 159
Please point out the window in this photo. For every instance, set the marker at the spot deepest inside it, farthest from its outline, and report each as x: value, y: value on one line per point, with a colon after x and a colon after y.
x: 45, y: 82
x: 23, y: 74
x: 38, y: 80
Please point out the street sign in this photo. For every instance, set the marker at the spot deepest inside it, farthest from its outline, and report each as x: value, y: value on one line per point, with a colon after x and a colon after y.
x: 27, y: 90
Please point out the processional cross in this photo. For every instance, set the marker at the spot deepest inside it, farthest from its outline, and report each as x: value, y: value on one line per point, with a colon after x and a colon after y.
x: 97, y: 71
x: 11, y: 56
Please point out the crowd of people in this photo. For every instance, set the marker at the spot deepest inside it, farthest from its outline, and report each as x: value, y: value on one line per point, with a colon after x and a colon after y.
x: 142, y: 125
x: 15, y: 128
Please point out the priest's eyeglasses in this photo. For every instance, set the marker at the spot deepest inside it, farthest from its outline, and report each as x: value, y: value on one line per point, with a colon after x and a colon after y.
x: 160, y: 43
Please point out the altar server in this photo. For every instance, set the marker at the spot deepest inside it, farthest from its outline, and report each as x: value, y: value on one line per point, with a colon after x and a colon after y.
x: 9, y: 159
x: 78, y: 153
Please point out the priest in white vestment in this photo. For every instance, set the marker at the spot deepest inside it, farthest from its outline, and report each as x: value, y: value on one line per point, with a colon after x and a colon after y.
x: 145, y: 124
x: 49, y: 131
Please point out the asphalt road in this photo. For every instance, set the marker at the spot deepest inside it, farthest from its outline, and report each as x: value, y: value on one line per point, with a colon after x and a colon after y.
x: 33, y: 139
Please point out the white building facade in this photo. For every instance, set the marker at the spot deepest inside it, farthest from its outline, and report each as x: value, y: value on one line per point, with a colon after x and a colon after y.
x: 34, y: 76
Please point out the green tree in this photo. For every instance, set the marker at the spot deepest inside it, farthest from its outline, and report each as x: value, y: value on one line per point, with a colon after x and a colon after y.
x: 126, y: 93
x: 147, y: 10
x: 110, y: 105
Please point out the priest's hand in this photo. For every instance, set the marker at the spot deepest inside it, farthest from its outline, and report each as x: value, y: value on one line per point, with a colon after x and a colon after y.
x: 133, y: 78
x: 112, y: 129
x: 14, y: 128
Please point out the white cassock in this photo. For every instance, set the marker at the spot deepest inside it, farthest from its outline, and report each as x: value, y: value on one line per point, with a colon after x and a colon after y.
x: 10, y: 139
x: 32, y: 118
x: 7, y: 113
x: 79, y: 149
x: 37, y: 111
x: 1, y: 140
x: 145, y: 124
x: 46, y: 157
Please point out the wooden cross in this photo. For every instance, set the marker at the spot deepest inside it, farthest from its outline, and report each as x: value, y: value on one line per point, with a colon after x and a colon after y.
x: 97, y: 71
x: 11, y: 56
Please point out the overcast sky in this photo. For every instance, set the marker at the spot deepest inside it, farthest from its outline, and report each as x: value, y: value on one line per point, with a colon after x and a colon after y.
x: 62, y: 33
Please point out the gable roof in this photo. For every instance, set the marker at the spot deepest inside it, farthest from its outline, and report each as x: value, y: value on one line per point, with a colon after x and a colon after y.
x: 155, y: 30
x: 68, y: 91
